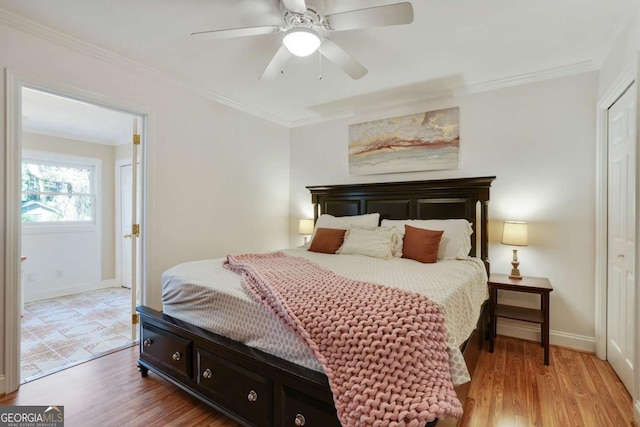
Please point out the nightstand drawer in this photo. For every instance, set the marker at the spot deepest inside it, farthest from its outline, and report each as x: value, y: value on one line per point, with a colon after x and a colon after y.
x: 247, y: 394
x: 161, y: 347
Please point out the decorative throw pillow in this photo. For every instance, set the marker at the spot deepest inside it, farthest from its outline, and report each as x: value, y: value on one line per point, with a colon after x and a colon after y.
x: 370, y: 241
x: 421, y: 244
x: 456, y: 240
x: 327, y: 240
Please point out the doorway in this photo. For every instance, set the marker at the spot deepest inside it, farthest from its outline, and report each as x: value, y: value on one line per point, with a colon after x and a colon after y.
x: 73, y: 306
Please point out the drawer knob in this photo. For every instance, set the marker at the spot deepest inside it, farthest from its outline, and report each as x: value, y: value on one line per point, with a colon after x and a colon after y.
x: 176, y: 356
x: 253, y: 396
x: 147, y: 342
x: 207, y: 373
x: 300, y: 420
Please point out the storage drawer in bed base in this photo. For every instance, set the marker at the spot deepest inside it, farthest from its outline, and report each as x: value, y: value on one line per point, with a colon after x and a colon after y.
x: 241, y: 382
x: 266, y: 391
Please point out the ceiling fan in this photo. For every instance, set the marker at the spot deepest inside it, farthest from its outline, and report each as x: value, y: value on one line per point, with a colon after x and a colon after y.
x: 305, y: 24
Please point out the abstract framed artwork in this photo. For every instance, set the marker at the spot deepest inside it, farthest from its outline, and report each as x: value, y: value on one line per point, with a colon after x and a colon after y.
x: 416, y: 142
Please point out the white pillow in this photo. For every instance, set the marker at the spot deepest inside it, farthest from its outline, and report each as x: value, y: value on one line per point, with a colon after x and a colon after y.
x: 343, y: 222
x: 370, y: 241
x: 330, y: 221
x: 456, y: 239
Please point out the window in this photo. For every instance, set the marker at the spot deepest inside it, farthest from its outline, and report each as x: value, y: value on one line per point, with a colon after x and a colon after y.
x: 57, y: 192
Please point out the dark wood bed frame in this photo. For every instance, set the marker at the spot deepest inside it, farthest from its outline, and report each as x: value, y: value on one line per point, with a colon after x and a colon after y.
x: 258, y: 389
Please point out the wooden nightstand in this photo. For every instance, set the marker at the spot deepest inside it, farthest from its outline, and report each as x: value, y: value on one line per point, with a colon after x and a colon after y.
x: 532, y: 285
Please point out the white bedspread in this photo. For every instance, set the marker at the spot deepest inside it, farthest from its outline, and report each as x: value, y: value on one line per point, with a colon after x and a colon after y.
x: 209, y: 296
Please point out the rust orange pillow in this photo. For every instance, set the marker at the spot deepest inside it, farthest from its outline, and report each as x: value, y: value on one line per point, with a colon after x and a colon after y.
x: 421, y: 244
x: 327, y: 240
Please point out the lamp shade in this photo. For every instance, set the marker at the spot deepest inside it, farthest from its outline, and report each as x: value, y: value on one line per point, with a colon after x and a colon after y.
x: 515, y: 233
x: 305, y: 227
x: 301, y: 41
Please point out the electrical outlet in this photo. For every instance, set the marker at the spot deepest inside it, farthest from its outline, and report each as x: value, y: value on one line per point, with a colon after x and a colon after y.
x: 59, y: 274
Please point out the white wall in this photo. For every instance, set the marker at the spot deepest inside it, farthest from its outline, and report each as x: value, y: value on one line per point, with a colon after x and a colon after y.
x: 61, y: 261
x: 622, y: 56
x: 537, y: 139
x: 218, y: 179
x: 123, y: 151
x: 106, y: 155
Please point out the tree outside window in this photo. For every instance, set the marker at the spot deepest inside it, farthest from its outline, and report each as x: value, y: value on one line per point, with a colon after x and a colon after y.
x: 57, y: 192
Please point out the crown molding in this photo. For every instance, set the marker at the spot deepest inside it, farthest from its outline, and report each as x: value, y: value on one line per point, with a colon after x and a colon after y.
x: 536, y: 76
x: 65, y: 40
x: 31, y: 27
x: 69, y: 136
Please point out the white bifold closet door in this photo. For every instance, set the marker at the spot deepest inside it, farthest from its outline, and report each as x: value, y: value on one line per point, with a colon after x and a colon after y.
x: 621, y: 235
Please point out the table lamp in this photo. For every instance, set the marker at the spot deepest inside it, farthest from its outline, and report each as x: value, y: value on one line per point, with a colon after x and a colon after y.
x: 305, y: 228
x: 515, y: 233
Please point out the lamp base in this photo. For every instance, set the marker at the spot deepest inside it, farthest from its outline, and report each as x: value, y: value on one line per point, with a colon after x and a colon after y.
x: 515, y: 272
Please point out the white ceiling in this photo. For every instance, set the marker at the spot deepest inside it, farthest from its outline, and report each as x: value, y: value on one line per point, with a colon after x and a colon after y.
x: 49, y: 114
x: 450, y: 44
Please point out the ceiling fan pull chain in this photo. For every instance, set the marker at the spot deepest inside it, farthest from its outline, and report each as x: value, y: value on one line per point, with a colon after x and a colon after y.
x: 320, y: 63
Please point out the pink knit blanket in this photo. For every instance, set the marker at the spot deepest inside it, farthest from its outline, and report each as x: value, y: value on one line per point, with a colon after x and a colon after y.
x: 383, y: 349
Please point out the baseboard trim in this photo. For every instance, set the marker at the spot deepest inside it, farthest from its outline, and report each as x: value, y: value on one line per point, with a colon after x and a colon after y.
x: 636, y: 412
x: 563, y: 339
x: 55, y: 293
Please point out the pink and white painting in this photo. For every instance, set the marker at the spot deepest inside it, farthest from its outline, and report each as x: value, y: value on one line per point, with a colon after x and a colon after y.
x: 417, y: 142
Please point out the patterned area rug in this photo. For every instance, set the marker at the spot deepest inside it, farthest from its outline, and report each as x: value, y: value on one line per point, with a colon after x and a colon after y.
x: 61, y: 332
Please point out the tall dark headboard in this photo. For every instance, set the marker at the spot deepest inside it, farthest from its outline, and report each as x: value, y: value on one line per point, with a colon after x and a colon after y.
x: 465, y: 198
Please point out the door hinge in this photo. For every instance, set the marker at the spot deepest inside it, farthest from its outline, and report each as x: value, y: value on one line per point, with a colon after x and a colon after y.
x: 135, y: 318
x: 135, y: 230
x: 136, y: 139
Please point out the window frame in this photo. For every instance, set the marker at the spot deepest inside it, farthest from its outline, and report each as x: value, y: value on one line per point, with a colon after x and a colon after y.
x: 66, y: 160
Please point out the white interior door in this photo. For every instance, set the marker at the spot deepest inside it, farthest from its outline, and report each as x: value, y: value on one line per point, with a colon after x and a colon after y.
x: 134, y: 230
x: 621, y: 235
x: 126, y: 222
x: 126, y: 217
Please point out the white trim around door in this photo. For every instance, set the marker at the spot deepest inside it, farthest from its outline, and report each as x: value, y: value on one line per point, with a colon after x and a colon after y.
x: 12, y: 302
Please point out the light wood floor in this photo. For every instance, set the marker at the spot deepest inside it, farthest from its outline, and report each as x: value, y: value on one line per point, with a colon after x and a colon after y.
x: 511, y: 388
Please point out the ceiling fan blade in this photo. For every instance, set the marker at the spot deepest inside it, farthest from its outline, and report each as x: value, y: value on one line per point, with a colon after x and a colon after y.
x: 296, y: 6
x: 236, y: 32
x: 342, y: 59
x: 277, y: 62
x: 392, y: 14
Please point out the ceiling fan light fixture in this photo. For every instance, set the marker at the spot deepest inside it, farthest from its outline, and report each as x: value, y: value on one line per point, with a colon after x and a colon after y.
x: 301, y: 41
